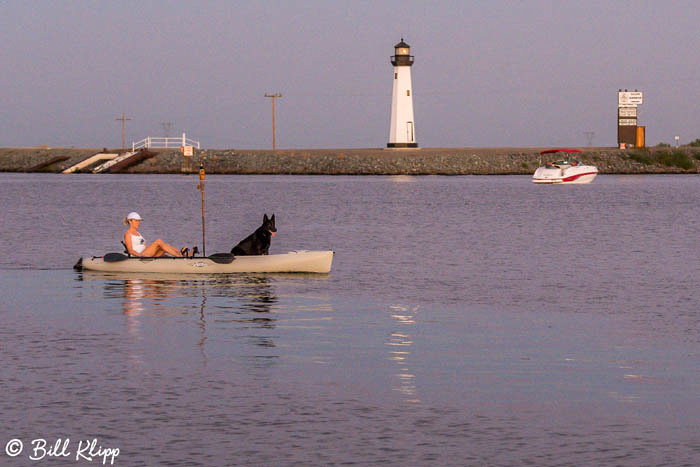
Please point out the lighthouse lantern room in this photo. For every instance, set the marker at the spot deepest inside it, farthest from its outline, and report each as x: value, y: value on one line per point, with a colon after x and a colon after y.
x: 402, y: 133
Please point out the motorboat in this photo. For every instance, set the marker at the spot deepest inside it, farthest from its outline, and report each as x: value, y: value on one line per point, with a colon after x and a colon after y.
x: 220, y: 263
x: 565, y: 170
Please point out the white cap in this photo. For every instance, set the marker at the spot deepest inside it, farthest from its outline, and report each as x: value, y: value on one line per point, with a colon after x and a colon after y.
x: 133, y: 215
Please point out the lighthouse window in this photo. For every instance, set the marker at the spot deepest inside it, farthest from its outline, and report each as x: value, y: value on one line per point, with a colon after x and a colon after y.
x: 396, y: 75
x: 408, y: 92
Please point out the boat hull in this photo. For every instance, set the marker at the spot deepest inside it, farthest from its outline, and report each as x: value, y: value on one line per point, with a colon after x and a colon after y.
x: 295, y: 261
x: 566, y: 176
x: 583, y: 179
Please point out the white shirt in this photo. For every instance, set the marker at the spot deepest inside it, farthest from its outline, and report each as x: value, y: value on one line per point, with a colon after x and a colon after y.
x: 138, y: 243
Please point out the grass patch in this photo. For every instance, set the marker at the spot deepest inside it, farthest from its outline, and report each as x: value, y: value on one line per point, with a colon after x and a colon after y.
x: 643, y: 157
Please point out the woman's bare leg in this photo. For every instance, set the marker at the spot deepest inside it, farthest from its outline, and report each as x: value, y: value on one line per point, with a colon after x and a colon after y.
x: 152, y: 250
x: 159, y: 248
x: 169, y: 249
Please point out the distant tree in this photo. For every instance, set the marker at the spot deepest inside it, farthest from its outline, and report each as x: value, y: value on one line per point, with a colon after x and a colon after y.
x: 663, y: 145
x: 695, y: 143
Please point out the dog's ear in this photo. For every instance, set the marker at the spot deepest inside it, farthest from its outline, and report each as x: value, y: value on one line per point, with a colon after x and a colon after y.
x: 265, y: 219
x: 273, y: 218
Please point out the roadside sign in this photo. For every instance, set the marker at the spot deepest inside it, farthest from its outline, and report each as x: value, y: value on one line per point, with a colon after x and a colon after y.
x: 627, y: 112
x: 628, y: 122
x: 187, y: 150
x: 630, y: 98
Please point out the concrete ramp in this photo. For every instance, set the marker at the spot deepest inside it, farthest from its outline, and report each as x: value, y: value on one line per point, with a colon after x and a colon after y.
x: 89, y: 161
x: 107, y: 165
x: 136, y: 159
x: 124, y: 161
x: 45, y: 164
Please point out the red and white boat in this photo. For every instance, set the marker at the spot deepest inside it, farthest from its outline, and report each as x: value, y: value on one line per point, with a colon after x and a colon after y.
x: 565, y: 170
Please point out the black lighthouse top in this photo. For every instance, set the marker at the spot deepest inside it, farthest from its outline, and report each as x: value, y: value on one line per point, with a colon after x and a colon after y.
x: 403, y: 55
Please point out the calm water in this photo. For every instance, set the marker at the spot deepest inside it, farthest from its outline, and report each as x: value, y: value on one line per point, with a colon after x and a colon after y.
x: 467, y: 321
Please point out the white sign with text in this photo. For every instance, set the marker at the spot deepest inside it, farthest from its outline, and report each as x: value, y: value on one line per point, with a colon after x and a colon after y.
x: 627, y: 112
x: 630, y: 98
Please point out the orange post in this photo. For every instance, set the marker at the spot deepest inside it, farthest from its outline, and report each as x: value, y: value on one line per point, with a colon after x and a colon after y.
x: 640, y: 136
x: 200, y: 187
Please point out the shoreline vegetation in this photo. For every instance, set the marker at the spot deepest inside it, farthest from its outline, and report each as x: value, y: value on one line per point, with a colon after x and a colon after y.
x: 373, y: 161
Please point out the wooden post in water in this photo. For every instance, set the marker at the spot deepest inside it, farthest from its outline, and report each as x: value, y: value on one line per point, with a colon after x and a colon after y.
x: 200, y: 187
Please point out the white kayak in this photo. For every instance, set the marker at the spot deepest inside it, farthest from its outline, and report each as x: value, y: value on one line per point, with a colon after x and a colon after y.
x: 294, y: 261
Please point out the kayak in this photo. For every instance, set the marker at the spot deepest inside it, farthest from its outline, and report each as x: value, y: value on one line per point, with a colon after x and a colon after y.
x: 220, y: 263
x: 237, y: 278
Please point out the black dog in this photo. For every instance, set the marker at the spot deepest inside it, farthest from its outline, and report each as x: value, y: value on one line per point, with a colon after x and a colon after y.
x: 257, y: 243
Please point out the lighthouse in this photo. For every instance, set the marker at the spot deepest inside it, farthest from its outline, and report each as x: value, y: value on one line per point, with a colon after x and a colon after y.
x: 403, y: 132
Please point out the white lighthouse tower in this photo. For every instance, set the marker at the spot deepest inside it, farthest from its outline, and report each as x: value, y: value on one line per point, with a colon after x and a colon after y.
x: 403, y: 131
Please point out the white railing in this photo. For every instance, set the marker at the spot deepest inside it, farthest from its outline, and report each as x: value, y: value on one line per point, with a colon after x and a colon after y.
x: 162, y: 142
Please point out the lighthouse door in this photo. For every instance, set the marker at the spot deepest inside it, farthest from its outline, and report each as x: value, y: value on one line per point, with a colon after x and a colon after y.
x: 409, y: 131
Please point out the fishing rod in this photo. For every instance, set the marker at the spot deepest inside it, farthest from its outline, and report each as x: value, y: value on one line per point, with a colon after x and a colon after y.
x: 200, y: 187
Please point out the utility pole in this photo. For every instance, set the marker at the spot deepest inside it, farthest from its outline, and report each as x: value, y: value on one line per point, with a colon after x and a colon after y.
x: 166, y: 128
x: 123, y: 120
x: 273, y: 97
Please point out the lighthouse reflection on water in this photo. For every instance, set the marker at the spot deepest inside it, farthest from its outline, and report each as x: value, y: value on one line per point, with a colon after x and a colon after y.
x: 399, y: 343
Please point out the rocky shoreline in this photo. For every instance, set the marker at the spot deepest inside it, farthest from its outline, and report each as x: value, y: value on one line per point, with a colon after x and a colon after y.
x: 378, y: 161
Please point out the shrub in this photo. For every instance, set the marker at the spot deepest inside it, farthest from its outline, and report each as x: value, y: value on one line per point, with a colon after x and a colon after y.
x: 663, y: 145
x: 675, y: 159
x: 695, y: 143
x: 524, y: 165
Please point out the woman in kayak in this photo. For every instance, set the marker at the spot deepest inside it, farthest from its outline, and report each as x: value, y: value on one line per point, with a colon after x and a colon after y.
x: 136, y: 245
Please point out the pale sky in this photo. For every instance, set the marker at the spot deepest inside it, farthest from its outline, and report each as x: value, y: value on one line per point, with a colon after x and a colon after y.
x: 486, y: 73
